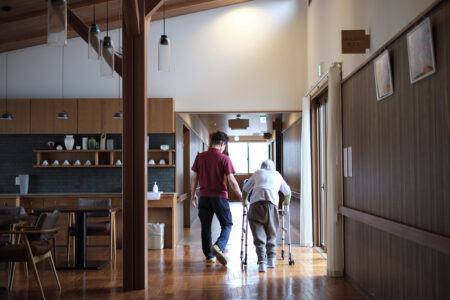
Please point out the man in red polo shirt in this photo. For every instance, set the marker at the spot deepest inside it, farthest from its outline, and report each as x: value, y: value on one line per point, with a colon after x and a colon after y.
x: 210, y: 169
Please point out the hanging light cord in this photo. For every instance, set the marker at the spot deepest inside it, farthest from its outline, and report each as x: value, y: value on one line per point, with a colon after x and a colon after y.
x: 107, y: 17
x: 94, y: 12
x: 6, y: 81
x: 120, y: 29
x: 164, y: 18
x: 62, y: 77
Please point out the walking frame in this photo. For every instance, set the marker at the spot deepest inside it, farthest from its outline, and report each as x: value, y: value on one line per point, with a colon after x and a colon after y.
x: 285, y: 228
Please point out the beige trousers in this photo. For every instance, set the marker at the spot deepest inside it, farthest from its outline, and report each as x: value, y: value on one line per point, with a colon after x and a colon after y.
x: 264, y: 222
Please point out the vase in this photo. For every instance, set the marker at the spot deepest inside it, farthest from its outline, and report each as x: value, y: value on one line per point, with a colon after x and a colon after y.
x: 91, y: 143
x: 69, y: 141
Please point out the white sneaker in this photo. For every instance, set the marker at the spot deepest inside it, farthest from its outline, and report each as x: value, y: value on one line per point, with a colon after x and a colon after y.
x: 271, y: 263
x: 262, y: 267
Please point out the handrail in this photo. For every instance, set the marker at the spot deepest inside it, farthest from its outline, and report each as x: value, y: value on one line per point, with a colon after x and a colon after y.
x: 318, y: 82
x: 422, y: 237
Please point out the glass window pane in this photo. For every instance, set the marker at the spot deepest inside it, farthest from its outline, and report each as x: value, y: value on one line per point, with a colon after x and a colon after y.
x: 258, y: 152
x: 238, y: 154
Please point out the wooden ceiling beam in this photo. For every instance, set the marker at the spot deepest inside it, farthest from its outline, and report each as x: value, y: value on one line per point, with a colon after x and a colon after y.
x: 152, y: 6
x: 43, y: 12
x: 82, y: 29
x: 131, y: 17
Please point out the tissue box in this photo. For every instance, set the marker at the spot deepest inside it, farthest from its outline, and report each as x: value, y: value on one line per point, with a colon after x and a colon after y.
x: 153, y: 196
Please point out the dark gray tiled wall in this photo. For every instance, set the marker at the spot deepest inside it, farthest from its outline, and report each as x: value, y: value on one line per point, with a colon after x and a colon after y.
x: 17, y: 157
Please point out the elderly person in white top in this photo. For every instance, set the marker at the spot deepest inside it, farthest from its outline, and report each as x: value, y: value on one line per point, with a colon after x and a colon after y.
x: 263, y: 213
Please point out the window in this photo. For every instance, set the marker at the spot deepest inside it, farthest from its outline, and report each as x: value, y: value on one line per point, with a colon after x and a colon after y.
x: 247, y: 157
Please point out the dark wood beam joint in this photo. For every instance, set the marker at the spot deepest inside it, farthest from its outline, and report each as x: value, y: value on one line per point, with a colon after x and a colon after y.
x: 152, y: 6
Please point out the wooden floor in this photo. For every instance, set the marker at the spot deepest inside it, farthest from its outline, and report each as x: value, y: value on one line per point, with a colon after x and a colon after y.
x: 182, y: 274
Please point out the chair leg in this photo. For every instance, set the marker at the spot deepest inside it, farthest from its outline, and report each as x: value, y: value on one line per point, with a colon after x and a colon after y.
x: 12, y: 271
x: 36, y: 275
x: 52, y: 265
x: 115, y: 239
x: 54, y: 249
x: 25, y: 269
x: 73, y: 248
x: 111, y: 234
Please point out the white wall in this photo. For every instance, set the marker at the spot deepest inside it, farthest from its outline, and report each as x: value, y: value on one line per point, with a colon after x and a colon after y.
x: 250, y: 56
x: 382, y: 19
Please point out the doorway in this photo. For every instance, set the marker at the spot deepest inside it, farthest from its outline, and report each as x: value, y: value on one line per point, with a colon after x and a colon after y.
x: 319, y: 155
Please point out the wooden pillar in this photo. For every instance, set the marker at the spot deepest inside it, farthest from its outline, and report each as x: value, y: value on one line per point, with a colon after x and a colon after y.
x: 135, y: 274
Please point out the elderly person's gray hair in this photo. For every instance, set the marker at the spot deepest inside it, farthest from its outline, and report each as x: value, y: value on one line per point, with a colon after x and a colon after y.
x: 268, y: 165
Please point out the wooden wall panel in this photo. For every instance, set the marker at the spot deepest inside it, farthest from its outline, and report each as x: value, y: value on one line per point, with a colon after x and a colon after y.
x: 401, y: 172
x: 291, y: 173
x: 161, y: 115
x: 291, y: 155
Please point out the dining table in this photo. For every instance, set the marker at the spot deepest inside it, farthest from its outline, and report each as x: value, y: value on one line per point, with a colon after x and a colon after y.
x: 81, y: 262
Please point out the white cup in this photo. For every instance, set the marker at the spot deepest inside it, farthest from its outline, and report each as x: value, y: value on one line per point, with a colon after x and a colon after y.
x: 162, y: 162
x: 66, y: 163
x: 56, y: 163
x: 77, y: 163
x: 87, y: 163
x: 45, y: 163
x: 151, y: 162
x: 78, y: 147
x: 118, y: 162
x: 59, y: 147
x: 164, y: 147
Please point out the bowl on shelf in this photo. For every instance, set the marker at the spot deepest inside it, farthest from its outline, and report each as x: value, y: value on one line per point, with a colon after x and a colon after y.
x: 151, y: 162
x: 77, y: 163
x: 164, y: 147
x: 87, y: 163
x: 56, y: 163
x: 45, y: 163
x: 162, y: 162
x: 66, y: 163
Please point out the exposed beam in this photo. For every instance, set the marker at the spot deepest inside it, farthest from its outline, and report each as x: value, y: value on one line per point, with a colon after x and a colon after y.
x: 43, y: 33
x: 131, y: 17
x: 82, y: 29
x: 43, y: 12
x: 152, y: 6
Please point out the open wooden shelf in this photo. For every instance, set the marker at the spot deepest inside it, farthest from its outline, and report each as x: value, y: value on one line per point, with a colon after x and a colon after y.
x: 99, y: 158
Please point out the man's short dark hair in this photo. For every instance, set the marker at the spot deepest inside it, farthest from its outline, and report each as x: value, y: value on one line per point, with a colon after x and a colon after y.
x: 218, y: 137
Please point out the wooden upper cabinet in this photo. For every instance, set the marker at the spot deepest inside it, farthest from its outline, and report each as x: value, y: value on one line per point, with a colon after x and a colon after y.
x: 109, y: 108
x: 20, y: 110
x: 43, y: 116
x: 96, y: 116
x: 161, y: 115
x: 70, y: 106
x: 89, y: 115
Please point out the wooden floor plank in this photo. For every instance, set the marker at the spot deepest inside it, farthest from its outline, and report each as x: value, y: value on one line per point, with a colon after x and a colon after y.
x: 181, y: 273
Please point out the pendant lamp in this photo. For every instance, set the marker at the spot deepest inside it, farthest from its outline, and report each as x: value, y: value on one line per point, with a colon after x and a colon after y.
x: 164, y: 47
x: 93, y: 39
x: 119, y: 114
x: 57, y: 23
x: 7, y: 116
x: 63, y: 114
x: 107, y: 52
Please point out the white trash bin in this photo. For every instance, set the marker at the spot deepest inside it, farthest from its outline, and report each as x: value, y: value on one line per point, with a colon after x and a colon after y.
x: 155, y: 235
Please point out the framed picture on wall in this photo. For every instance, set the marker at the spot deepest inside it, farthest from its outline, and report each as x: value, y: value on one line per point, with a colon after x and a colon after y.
x: 420, y: 51
x: 383, y: 76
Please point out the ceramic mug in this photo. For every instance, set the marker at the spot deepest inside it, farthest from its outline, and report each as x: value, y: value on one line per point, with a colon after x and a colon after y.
x: 162, y: 162
x: 151, y: 162
x: 87, y: 163
x: 66, y: 163
x: 45, y: 163
x: 77, y: 163
x: 118, y: 162
x: 56, y: 163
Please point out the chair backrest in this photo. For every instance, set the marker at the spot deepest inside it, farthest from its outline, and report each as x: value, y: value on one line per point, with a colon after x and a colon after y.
x: 15, y: 211
x: 104, y: 203
x: 45, y: 221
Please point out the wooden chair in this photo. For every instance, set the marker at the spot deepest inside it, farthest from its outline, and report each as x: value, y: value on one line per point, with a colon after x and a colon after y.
x: 33, y: 248
x: 105, y: 225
